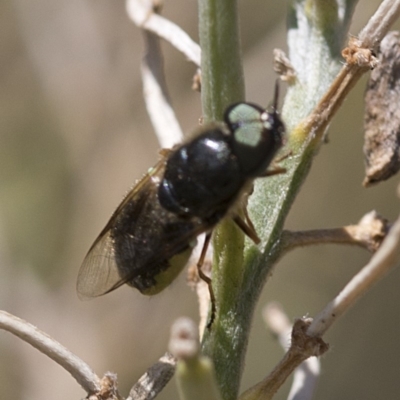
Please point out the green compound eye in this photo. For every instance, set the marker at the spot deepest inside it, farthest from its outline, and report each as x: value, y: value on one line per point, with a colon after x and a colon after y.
x: 246, y: 124
x: 256, y: 136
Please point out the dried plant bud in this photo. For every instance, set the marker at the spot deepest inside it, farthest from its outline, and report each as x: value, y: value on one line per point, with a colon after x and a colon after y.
x: 184, y: 341
x: 382, y: 114
x: 355, y: 54
x: 283, y: 67
x: 196, y: 81
x: 108, y: 389
x: 370, y: 231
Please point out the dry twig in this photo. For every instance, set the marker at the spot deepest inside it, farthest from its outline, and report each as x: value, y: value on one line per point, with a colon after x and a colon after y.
x: 302, y: 346
x: 306, y: 375
x: 368, y: 233
x: 142, y: 14
x: 386, y: 258
x: 82, y: 373
x: 158, y: 102
x: 306, y: 330
x: 359, y: 56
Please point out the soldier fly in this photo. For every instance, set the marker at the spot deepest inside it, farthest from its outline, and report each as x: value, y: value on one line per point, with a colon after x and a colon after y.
x: 196, y: 184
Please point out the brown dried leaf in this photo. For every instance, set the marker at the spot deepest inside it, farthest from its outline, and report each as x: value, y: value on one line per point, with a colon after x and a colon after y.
x: 382, y: 114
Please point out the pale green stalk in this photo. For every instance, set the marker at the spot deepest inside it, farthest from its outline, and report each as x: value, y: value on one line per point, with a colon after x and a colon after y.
x: 315, y: 38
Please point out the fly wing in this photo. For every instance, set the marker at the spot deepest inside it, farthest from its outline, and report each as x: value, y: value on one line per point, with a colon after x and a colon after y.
x: 99, y: 274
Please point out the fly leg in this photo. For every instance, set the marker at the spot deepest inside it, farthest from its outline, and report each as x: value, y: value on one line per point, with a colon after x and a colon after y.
x: 246, y: 226
x: 276, y: 170
x: 272, y: 172
x: 248, y: 229
x: 206, y: 279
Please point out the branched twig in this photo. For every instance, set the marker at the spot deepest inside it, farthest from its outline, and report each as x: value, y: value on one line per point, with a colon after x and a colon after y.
x: 305, y: 376
x: 302, y: 347
x: 359, y: 59
x: 82, y: 373
x: 142, y: 14
x: 368, y: 233
x: 306, y: 138
x: 386, y: 258
x: 148, y: 386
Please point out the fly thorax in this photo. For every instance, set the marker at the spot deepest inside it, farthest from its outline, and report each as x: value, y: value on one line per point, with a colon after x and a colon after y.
x: 201, y: 176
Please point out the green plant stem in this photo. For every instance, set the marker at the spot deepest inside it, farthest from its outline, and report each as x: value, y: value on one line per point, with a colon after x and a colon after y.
x: 239, y: 273
x: 222, y: 80
x: 195, y: 379
x: 222, y: 84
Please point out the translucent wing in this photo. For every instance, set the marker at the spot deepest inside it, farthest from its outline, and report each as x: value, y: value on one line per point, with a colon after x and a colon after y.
x: 99, y: 274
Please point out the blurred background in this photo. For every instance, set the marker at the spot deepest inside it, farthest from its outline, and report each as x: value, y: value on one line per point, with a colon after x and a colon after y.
x: 74, y: 136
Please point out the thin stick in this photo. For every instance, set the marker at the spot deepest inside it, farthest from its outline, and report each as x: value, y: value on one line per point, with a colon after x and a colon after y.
x: 379, y: 24
x: 385, y: 259
x: 82, y: 373
x: 306, y: 375
x: 158, y: 102
x: 368, y: 233
x: 302, y: 347
x: 359, y: 59
x: 142, y: 14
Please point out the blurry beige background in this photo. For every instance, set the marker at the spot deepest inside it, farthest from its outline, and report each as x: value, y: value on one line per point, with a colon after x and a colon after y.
x: 74, y: 136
